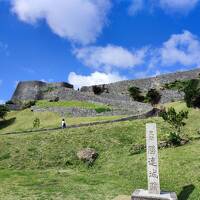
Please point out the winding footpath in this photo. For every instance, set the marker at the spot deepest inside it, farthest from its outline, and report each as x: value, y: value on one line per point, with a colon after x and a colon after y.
x: 133, y: 117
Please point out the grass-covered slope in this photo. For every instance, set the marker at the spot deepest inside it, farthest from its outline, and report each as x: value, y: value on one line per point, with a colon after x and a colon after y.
x: 45, y: 166
x: 79, y: 104
x: 23, y: 120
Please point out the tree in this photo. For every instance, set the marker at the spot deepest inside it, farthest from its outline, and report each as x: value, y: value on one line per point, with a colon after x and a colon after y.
x: 97, y: 89
x: 176, y: 121
x: 36, y: 123
x: 136, y: 94
x: 192, y: 93
x: 3, y: 111
x: 153, y: 96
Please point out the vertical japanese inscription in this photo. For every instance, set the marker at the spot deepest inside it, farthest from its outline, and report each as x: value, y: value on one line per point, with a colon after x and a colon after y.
x: 152, y: 159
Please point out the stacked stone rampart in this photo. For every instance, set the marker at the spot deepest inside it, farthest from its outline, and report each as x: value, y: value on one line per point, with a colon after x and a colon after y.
x: 36, y: 90
x: 147, y: 83
x: 115, y: 94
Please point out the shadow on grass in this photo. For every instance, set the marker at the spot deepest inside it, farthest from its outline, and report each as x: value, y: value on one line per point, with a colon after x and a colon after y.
x: 186, y: 191
x: 6, y: 123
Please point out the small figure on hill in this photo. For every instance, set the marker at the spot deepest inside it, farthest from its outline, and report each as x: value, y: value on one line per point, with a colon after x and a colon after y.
x: 63, y: 124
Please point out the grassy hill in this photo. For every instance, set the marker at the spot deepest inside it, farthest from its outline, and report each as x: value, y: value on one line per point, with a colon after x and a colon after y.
x: 23, y: 120
x: 79, y: 104
x: 44, y: 165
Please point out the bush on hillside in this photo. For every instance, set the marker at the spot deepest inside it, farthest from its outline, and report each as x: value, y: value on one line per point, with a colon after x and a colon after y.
x: 100, y: 110
x: 176, y: 85
x: 3, y: 111
x: 28, y: 104
x: 136, y: 94
x: 36, y: 123
x: 192, y: 93
x: 97, y: 89
x: 10, y: 102
x: 56, y: 99
x: 153, y: 96
x: 176, y: 121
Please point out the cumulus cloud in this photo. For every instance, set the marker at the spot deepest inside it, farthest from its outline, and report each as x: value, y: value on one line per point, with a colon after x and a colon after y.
x: 136, y: 6
x: 110, y: 57
x: 178, y: 5
x: 77, y: 20
x: 95, y: 78
x: 181, y: 49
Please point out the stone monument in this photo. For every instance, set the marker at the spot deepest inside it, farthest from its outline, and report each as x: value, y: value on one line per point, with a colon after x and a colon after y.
x: 153, y: 192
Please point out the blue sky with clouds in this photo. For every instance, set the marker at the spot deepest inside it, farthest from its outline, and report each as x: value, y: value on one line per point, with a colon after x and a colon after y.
x: 89, y: 42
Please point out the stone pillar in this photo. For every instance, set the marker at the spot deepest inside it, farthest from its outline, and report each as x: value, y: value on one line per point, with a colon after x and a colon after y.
x: 153, y: 192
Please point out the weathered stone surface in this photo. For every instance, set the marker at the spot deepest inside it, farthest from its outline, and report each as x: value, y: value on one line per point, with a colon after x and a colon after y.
x: 152, y: 159
x: 144, y: 195
x: 35, y: 90
x: 137, y: 109
x: 87, y: 155
x: 171, y: 95
x: 116, y: 94
x: 147, y: 83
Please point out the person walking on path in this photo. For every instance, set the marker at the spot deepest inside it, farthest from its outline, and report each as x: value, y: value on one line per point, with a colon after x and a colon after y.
x: 63, y: 124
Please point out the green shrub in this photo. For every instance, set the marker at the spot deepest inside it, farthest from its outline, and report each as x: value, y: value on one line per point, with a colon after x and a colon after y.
x: 136, y: 94
x: 9, y: 102
x: 176, y: 121
x: 174, y: 138
x: 176, y: 85
x: 3, y: 111
x: 153, y: 96
x: 36, y: 123
x: 56, y: 99
x: 192, y: 93
x: 28, y: 104
x: 5, y: 156
x: 100, y: 110
x: 97, y: 89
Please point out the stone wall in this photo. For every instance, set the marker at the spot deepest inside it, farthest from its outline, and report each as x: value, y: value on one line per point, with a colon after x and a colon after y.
x: 36, y: 90
x: 116, y: 94
x: 81, y: 112
x: 147, y: 83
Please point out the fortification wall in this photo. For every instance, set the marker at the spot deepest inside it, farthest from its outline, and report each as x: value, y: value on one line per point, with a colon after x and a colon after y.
x: 116, y: 94
x: 36, y: 90
x: 147, y: 83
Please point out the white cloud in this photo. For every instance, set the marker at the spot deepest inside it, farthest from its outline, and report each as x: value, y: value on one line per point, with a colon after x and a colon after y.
x: 110, y: 57
x: 2, y: 101
x: 136, y: 6
x: 178, y: 5
x: 78, y: 20
x: 95, y: 78
x: 169, y: 6
x: 181, y: 49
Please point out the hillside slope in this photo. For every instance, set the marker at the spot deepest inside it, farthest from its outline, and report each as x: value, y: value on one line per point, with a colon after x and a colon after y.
x: 45, y: 166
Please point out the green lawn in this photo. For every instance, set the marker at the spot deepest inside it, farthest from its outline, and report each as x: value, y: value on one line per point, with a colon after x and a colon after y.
x: 45, y: 166
x: 23, y: 120
x: 79, y: 104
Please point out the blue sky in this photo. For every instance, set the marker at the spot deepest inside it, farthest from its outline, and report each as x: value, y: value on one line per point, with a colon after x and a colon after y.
x: 87, y: 42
